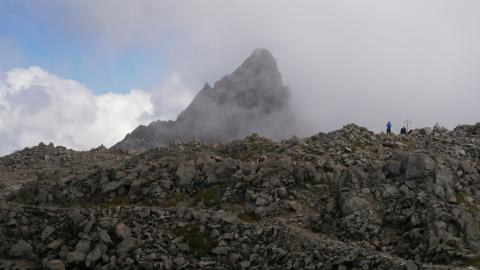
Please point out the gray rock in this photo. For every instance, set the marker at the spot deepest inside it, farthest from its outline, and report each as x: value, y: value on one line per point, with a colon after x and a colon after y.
x: 259, y: 211
x: 54, y: 265
x: 75, y: 257
x: 21, y: 249
x: 426, y: 131
x: 391, y: 190
x: 245, y: 264
x: 83, y: 246
x: 186, y: 172
x: 221, y: 250
x: 126, y: 246
x: 282, y: 193
x: 414, y: 167
x: 55, y: 244
x: 105, y: 237
x: 180, y: 261
x: 122, y: 231
x: 467, y: 167
x: 411, y: 266
x: 96, y: 254
x: 353, y: 204
x: 261, y: 201
x: 111, y: 186
x: 444, y: 178
x: 392, y: 167
x: 235, y: 257
x: 47, y: 232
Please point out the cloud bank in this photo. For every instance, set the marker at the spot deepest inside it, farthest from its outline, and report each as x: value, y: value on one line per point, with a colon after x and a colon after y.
x: 36, y: 106
x: 346, y: 61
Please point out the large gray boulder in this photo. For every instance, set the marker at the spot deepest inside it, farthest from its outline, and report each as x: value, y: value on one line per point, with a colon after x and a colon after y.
x: 186, y: 172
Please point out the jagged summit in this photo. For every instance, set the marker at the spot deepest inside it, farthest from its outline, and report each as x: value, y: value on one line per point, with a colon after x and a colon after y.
x: 260, y: 59
x: 252, y: 99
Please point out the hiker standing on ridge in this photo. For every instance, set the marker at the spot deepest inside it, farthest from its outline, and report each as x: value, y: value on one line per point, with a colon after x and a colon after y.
x: 389, y: 127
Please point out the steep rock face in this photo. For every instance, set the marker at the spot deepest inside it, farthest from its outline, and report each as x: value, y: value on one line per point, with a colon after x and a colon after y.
x: 251, y: 99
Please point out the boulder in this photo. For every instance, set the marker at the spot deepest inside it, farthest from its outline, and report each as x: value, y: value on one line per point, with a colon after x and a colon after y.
x: 112, y: 186
x: 122, y: 231
x: 105, y: 237
x: 75, y: 257
x: 83, y: 246
x: 21, y: 249
x: 186, y: 172
x: 54, y: 265
x: 96, y: 254
x: 353, y: 204
x: 126, y: 246
x: 47, y: 232
x: 414, y: 167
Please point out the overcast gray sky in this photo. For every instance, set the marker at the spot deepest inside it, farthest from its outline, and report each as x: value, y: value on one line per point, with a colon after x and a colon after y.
x: 366, y: 61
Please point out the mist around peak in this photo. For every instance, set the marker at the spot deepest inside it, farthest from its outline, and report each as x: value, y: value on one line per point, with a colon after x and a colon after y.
x: 252, y: 99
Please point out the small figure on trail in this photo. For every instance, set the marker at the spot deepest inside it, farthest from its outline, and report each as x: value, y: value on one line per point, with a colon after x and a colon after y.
x: 403, y: 131
x: 389, y: 127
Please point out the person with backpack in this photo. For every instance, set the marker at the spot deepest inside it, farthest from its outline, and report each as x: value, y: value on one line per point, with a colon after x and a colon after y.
x: 403, y: 131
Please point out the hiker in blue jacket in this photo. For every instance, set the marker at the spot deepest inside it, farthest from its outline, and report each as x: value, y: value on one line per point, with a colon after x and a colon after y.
x: 389, y: 127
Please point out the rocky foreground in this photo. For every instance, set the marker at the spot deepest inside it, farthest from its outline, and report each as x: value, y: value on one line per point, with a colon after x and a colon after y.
x: 348, y: 199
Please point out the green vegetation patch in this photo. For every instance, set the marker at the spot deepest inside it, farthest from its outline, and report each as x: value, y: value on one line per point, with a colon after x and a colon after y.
x: 196, y: 240
x: 246, y: 217
x: 475, y: 261
x: 116, y: 201
x: 209, y: 197
x: 251, y: 151
x: 468, y: 205
x: 174, y: 200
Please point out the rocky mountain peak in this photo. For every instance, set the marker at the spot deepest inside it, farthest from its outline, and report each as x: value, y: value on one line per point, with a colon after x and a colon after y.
x: 252, y: 99
x: 260, y: 59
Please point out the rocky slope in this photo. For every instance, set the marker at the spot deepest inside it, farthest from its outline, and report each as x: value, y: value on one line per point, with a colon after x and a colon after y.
x: 349, y: 199
x: 251, y: 99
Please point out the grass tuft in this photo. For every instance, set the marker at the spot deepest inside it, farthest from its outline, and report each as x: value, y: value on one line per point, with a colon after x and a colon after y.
x: 196, y: 240
x: 173, y: 201
x: 246, y: 217
x: 209, y: 197
x: 116, y: 201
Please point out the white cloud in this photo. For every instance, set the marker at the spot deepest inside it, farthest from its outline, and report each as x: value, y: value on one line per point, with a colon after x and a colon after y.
x: 37, y: 106
x: 171, y: 98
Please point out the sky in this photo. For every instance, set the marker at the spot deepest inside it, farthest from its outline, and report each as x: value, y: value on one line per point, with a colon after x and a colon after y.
x: 85, y: 73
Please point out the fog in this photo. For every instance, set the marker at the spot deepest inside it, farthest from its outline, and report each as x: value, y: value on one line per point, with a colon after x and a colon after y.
x: 345, y: 61
x: 366, y: 62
